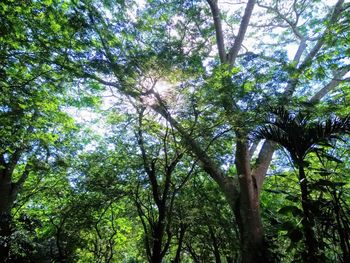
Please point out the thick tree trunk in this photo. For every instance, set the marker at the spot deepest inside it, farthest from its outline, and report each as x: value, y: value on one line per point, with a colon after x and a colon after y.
x: 5, y: 216
x: 253, y: 247
x: 157, y: 244
x: 158, y: 234
x: 247, y: 210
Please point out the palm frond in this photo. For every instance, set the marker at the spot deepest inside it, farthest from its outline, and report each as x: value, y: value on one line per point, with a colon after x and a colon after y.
x: 298, y: 133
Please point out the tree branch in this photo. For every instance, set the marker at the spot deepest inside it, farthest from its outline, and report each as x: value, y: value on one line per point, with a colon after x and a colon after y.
x: 291, y: 24
x: 337, y: 79
x: 301, y: 48
x: 253, y: 148
x: 263, y: 162
x: 227, y: 184
x: 218, y: 29
x: 16, y: 187
x: 241, y: 32
x: 334, y: 16
x: 309, y: 57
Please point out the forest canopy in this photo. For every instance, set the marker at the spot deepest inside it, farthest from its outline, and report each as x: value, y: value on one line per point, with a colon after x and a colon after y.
x: 174, y: 131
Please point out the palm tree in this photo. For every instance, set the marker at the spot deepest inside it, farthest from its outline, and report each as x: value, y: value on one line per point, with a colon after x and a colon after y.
x: 300, y: 135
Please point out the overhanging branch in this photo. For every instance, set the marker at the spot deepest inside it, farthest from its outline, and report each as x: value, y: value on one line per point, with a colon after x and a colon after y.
x: 337, y: 79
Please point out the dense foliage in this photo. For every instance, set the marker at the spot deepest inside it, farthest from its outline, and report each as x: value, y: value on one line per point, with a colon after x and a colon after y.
x: 174, y: 131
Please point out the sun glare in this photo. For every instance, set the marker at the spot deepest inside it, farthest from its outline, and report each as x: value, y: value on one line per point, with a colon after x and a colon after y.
x: 162, y: 87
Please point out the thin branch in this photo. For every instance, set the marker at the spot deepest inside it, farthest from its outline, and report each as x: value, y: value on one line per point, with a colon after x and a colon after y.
x: 291, y: 24
x: 334, y: 17
x: 311, y: 55
x: 192, y: 145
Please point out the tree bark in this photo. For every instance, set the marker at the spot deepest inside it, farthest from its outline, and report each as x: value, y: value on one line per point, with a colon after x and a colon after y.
x: 311, y: 255
x: 157, y: 236
x: 247, y: 210
x: 5, y: 216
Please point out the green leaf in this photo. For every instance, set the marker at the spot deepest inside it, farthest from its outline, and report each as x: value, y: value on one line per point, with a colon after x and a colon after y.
x: 295, y: 211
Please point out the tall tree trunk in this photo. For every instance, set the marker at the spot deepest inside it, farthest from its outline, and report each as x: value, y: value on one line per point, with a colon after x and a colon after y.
x: 253, y: 247
x: 5, y: 216
x: 158, y: 234
x: 157, y: 244
x: 247, y: 210
x: 311, y: 244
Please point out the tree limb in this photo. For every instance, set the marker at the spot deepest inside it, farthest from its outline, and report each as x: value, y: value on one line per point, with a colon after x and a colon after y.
x: 301, y: 48
x: 313, y: 52
x: 263, y: 162
x: 218, y: 29
x: 253, y: 148
x: 227, y: 184
x: 337, y: 79
x: 241, y: 32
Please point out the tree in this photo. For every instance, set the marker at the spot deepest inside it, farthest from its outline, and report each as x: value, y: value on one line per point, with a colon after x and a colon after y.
x: 300, y: 136
x: 198, y: 48
x: 34, y: 129
x: 208, y: 222
x: 158, y: 224
x: 234, y: 101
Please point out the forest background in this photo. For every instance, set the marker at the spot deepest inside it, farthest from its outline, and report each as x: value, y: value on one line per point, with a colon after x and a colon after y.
x: 174, y: 131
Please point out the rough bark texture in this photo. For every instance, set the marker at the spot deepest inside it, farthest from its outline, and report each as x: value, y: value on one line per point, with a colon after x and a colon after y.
x: 247, y: 210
